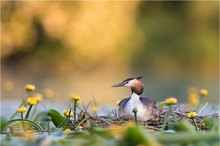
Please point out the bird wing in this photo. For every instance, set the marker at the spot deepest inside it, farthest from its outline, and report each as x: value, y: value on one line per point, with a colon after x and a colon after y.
x: 148, y: 102
x: 123, y: 103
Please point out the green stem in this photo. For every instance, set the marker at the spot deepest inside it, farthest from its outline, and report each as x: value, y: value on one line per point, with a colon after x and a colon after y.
x: 172, y: 113
x: 194, y: 122
x: 22, y: 103
x: 22, y: 119
x: 135, y: 118
x: 202, y: 99
x: 34, y: 111
x: 48, y: 128
x: 62, y: 122
x: 166, y: 119
x: 170, y: 109
x: 74, y: 113
x: 69, y: 117
x: 164, y: 123
x: 26, y: 117
x: 135, y: 110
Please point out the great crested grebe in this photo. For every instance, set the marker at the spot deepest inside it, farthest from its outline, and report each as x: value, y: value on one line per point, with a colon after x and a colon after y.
x: 146, y: 106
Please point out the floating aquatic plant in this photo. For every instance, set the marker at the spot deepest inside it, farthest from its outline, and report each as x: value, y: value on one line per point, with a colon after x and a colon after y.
x: 172, y: 118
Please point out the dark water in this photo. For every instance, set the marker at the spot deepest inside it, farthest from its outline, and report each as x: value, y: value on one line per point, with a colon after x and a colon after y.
x: 9, y: 106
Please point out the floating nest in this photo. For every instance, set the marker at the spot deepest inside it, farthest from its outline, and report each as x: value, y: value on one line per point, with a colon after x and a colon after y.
x: 161, y: 123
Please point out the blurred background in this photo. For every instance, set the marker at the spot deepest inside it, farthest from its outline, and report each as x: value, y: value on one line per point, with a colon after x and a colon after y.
x: 86, y: 47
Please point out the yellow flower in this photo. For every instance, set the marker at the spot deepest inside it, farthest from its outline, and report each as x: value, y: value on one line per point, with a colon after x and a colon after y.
x: 117, y: 102
x: 8, y: 85
x: 192, y: 115
x: 77, y: 102
x: 68, y: 113
x: 204, y: 92
x: 21, y: 109
x: 64, y: 112
x: 29, y: 87
x: 94, y: 109
x: 48, y: 93
x: 75, y: 97
x: 32, y: 100
x: 170, y: 101
x: 66, y: 132
x: 39, y: 97
x: 29, y: 135
x: 193, y: 98
x: 203, y: 125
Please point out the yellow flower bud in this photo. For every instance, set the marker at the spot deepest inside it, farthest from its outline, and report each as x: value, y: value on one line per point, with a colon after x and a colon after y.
x: 21, y: 109
x: 64, y: 112
x: 191, y: 115
x: 203, y: 125
x: 204, y: 92
x: 49, y: 93
x: 32, y: 100
x: 39, y: 97
x: 75, y: 97
x: 71, y: 114
x: 135, y: 110
x: 94, y: 109
x: 68, y: 113
x: 170, y: 101
x: 117, y: 102
x: 193, y: 98
x: 29, y: 87
x: 8, y: 85
x: 66, y: 132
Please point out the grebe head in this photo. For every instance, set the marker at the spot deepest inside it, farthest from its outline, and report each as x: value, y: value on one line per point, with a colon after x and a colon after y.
x: 134, y: 83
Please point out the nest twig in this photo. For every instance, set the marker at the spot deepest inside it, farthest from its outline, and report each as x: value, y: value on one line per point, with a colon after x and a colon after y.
x: 113, y: 119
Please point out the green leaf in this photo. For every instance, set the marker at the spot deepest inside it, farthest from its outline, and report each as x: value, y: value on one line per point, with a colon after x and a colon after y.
x: 134, y: 136
x: 4, y: 123
x: 40, y: 116
x: 57, y: 119
x: 212, y: 123
x: 183, y: 125
x: 16, y: 126
x: 188, y: 138
x: 161, y: 105
x: 100, y: 131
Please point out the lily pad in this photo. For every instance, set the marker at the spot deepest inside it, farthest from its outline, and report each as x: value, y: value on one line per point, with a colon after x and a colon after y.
x: 16, y: 126
x: 57, y: 119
